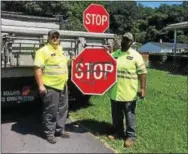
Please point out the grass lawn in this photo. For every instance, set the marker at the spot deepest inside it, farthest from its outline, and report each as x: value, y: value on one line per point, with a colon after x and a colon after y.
x: 161, y: 121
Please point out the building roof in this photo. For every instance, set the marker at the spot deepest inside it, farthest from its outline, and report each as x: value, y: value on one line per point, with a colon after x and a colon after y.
x: 181, y: 25
x: 23, y: 17
x: 166, y: 45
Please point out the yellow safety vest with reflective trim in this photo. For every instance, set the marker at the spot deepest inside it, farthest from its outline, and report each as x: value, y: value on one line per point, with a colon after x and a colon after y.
x: 129, y: 65
x: 54, y: 66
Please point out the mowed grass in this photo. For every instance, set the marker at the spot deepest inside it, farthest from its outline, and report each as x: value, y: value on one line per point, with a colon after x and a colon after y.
x: 161, y: 121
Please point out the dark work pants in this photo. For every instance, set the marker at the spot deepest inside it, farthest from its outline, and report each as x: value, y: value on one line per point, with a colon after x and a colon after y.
x: 55, y: 110
x: 119, y: 111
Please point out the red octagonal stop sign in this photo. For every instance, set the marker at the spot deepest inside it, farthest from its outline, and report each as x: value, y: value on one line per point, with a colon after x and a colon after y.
x: 96, y: 18
x: 94, y: 71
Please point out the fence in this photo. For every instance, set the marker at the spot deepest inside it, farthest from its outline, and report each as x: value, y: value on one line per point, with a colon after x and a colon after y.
x: 168, y: 62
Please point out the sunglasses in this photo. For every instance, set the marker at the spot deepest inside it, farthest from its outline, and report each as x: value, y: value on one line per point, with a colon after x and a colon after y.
x: 57, y: 37
x: 126, y: 39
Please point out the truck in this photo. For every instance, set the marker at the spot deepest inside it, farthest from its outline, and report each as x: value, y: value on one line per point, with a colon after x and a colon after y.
x: 21, y: 36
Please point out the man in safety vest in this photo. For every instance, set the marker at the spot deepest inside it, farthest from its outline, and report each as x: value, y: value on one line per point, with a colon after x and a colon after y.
x: 51, y: 73
x: 131, y: 72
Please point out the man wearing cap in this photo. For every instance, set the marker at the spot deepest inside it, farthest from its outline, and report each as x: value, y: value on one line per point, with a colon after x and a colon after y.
x: 51, y: 73
x: 131, y: 72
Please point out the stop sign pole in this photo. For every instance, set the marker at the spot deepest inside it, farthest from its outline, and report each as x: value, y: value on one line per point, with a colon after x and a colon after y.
x: 94, y: 74
x: 96, y: 18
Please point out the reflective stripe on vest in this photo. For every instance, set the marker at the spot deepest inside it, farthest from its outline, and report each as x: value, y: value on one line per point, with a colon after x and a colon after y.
x: 55, y: 73
x: 126, y: 88
x: 127, y: 75
x: 126, y: 72
x: 54, y: 66
x: 141, y: 68
x: 58, y: 69
x: 55, y: 70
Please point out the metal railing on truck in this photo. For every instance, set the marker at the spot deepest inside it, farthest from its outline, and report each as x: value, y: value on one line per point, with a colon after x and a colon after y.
x: 21, y: 51
x: 18, y: 50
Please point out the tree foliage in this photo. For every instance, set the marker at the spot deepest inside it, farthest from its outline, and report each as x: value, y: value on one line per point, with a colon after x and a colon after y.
x: 146, y: 23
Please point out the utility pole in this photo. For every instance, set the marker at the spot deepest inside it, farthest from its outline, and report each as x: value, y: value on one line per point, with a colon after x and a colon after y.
x: 61, y: 21
x: 174, y: 53
x: 175, y: 42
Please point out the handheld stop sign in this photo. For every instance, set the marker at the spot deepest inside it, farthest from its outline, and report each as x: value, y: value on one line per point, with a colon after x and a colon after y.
x: 94, y: 71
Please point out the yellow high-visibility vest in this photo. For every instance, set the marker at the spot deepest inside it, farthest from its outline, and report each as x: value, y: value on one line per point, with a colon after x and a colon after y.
x: 54, y: 66
x: 129, y: 65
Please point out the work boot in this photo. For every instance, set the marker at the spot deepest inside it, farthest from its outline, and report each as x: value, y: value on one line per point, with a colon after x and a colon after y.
x: 65, y: 135
x: 62, y: 135
x: 51, y: 139
x: 112, y: 137
x: 129, y: 142
x: 115, y: 136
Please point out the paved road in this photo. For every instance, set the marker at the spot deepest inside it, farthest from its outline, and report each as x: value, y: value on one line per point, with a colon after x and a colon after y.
x: 21, y: 134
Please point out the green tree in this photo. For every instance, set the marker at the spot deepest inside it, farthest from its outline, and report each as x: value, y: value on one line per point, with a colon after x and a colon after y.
x: 185, y: 4
x: 122, y: 16
x: 145, y: 23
